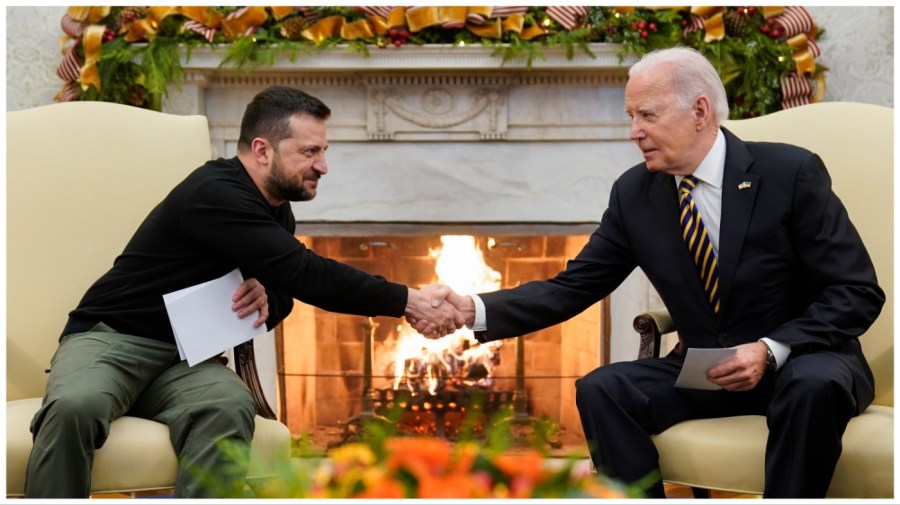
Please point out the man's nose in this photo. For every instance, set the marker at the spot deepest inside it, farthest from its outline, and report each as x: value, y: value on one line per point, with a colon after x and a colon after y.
x: 321, y: 166
x: 637, y: 131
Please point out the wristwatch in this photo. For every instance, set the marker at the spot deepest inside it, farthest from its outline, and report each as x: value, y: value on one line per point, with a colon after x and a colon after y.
x: 771, y: 364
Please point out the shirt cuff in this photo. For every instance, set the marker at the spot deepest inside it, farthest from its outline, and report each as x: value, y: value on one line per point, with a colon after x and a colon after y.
x: 779, y: 349
x: 480, y: 323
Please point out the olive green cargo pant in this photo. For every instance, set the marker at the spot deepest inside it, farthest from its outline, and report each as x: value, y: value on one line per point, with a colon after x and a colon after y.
x: 98, y: 376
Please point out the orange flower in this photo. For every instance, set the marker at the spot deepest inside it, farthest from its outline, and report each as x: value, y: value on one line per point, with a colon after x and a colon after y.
x: 454, y: 485
x: 384, y: 488
x: 528, y: 465
x: 420, y: 456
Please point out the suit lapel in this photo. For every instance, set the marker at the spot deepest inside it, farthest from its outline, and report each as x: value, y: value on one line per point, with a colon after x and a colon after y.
x: 664, y: 196
x: 739, y: 190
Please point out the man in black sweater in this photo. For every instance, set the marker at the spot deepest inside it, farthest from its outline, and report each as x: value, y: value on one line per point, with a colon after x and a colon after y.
x: 117, y: 353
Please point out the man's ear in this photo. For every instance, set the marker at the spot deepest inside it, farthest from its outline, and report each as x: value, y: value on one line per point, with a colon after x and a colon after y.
x: 702, y: 112
x: 262, y: 150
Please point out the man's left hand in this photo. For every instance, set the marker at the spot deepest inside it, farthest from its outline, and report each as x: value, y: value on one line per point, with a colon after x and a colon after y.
x: 743, y: 371
x: 251, y: 297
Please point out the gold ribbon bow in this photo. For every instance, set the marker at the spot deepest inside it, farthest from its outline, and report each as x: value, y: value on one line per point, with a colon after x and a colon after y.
x: 203, y: 15
x: 419, y: 18
x: 802, y: 55
x: 92, y: 40
x: 713, y: 22
x: 148, y: 27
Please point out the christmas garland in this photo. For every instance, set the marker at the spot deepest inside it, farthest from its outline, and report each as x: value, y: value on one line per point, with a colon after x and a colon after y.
x: 765, y: 55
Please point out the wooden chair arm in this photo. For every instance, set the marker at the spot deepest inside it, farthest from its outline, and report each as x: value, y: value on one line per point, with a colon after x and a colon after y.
x: 651, y: 326
x: 245, y: 366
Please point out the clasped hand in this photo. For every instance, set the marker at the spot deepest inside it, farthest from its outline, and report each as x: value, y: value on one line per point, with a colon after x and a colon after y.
x: 429, y: 315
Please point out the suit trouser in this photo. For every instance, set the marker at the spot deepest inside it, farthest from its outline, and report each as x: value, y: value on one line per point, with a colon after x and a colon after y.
x: 98, y: 376
x: 807, y: 405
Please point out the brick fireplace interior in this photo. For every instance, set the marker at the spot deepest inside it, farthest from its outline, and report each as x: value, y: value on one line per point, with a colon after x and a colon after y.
x: 321, y: 354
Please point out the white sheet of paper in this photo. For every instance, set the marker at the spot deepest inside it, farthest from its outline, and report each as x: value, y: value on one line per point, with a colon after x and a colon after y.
x: 697, y: 362
x: 202, y: 319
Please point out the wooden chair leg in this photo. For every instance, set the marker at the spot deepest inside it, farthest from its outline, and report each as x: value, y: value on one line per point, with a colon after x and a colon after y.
x: 699, y: 492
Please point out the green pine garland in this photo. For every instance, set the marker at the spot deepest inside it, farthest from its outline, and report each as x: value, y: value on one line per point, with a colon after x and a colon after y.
x: 751, y: 63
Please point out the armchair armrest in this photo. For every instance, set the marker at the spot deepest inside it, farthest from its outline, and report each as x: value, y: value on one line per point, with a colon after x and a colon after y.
x: 651, y: 326
x: 245, y: 366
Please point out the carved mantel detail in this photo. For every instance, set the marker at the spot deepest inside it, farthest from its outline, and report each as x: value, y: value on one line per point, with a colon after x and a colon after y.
x: 426, y: 93
x: 479, y: 112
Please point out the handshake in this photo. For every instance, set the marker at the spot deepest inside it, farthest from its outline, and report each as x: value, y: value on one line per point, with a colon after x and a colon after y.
x: 427, y: 312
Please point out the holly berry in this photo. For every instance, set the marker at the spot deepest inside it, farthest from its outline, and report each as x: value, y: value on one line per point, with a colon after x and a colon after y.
x: 652, y: 27
x: 644, y: 34
x: 642, y: 25
x: 108, y: 35
x: 751, y: 10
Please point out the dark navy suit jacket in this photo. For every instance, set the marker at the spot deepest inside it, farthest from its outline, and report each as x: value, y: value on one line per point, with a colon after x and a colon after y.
x: 792, y: 266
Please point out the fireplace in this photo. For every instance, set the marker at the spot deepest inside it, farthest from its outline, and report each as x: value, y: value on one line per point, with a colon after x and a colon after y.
x: 322, y: 373
x: 439, y: 141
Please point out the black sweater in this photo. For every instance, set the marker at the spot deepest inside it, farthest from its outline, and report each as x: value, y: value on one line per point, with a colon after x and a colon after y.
x: 212, y: 222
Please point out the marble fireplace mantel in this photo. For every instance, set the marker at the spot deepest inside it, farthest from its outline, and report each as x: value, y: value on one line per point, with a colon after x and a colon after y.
x: 437, y: 136
x: 516, y: 144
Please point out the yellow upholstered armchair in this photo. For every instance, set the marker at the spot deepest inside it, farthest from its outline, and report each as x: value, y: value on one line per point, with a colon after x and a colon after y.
x: 81, y: 176
x: 856, y: 143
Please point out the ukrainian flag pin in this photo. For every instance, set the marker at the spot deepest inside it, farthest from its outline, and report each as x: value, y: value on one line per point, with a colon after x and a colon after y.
x: 744, y: 185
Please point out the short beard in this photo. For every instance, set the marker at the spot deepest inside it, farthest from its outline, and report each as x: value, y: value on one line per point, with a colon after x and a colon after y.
x: 280, y: 187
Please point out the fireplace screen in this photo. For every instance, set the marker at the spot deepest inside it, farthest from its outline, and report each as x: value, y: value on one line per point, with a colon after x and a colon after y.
x: 335, y: 369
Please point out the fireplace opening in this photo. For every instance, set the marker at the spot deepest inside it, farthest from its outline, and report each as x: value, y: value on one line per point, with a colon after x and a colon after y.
x: 335, y: 370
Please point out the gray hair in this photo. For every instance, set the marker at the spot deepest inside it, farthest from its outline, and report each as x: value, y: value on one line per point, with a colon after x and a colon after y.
x: 692, y: 75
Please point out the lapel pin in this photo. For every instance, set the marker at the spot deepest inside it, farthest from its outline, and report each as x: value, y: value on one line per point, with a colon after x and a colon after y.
x: 744, y: 185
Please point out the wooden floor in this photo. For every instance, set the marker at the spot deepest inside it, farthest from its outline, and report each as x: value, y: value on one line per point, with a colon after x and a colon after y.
x: 678, y: 491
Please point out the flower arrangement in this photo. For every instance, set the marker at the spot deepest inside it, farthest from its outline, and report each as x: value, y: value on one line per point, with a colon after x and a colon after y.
x: 765, y: 55
x: 491, y: 457
x: 389, y: 466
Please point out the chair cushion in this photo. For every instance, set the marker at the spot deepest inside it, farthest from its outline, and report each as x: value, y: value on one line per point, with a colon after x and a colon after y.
x: 137, y: 456
x: 691, y: 454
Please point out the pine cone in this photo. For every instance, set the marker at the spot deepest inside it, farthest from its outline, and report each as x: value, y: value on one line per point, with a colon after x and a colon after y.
x: 735, y: 23
x: 129, y: 14
x: 292, y: 28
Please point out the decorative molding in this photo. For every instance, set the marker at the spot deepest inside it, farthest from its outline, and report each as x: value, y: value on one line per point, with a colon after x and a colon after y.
x: 481, y: 111
x: 426, y: 93
x: 419, y: 58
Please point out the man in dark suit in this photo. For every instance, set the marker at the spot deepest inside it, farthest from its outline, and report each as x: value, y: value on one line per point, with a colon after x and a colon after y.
x: 775, y: 270
x: 117, y: 353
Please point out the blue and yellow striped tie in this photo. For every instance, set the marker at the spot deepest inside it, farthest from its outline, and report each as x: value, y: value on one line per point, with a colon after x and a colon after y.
x: 697, y: 240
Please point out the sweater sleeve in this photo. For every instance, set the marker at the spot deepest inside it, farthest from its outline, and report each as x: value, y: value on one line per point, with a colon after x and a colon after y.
x: 234, y: 221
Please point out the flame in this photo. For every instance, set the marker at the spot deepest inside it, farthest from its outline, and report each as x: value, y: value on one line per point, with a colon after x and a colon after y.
x: 456, y: 359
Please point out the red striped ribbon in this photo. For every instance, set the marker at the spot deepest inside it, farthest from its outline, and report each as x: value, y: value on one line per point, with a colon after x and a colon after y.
x: 566, y: 15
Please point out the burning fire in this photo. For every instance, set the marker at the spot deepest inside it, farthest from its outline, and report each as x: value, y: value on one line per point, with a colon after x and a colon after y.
x: 457, y: 360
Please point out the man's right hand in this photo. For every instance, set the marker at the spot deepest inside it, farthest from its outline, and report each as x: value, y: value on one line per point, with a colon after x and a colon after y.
x: 426, y: 312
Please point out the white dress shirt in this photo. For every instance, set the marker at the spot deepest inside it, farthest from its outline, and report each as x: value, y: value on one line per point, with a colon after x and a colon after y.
x: 707, y: 197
